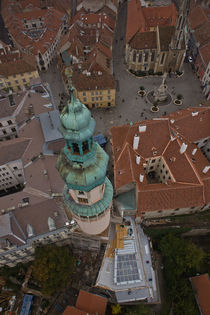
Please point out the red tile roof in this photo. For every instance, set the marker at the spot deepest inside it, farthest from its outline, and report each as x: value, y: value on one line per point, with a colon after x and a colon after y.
x: 91, y: 303
x: 197, y: 17
x: 144, y: 40
x: 135, y: 19
x: 141, y: 19
x: 165, y: 137
x: 166, y: 15
x: 52, y: 21
x: 201, y: 284
x: 205, y: 53
x: 71, y: 310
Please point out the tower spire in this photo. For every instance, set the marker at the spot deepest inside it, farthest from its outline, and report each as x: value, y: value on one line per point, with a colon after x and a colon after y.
x: 82, y: 165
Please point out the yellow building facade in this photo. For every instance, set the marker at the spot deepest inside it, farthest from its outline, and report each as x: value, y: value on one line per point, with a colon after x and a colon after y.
x: 103, y: 98
x: 17, y: 76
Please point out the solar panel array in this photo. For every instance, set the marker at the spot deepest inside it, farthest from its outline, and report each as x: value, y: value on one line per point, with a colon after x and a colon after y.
x: 127, y: 269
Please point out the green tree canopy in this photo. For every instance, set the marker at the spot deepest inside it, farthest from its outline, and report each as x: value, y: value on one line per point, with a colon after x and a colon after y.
x: 53, y: 267
x: 183, y: 256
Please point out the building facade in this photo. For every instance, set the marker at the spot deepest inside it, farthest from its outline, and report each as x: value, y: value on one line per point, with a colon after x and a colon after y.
x: 82, y: 164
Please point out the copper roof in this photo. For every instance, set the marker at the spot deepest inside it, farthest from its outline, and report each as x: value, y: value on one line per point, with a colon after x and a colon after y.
x: 164, y: 138
x: 201, y: 285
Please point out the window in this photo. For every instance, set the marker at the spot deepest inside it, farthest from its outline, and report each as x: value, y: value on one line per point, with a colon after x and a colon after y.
x: 153, y: 56
x: 108, y: 92
x: 84, y: 99
x: 13, y: 129
x: 4, y: 132
x: 9, y: 122
x: 24, y: 80
x: 81, y: 192
x: 163, y: 166
x: 93, y: 99
x: 84, y: 94
x: 140, y: 56
x: 33, y: 24
x: 85, y: 146
x: 1, y: 125
x: 76, y: 148
x: 14, y: 75
x: 19, y: 175
x: 15, y: 168
x: 146, y: 57
x: 153, y: 161
x: 162, y: 58
x: 134, y: 56
x: 83, y: 200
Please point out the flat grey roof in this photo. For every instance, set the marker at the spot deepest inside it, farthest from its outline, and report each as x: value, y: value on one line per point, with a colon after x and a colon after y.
x: 50, y: 122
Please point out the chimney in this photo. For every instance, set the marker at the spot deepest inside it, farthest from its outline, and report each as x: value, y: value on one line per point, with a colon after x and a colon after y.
x: 194, y: 151
x: 138, y: 159
x: 206, y: 168
x: 194, y: 114
x: 141, y: 178
x: 135, y: 142
x: 183, y: 148
x: 142, y: 128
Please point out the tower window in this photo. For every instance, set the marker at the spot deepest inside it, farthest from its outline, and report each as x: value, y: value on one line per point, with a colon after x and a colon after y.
x: 85, y: 146
x: 76, y: 148
x: 83, y: 200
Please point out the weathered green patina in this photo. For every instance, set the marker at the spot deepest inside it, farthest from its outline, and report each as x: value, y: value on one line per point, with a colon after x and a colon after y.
x: 90, y: 211
x: 82, y: 163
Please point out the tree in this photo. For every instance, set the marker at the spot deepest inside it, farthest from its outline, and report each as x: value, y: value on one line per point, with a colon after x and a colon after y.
x: 183, y: 256
x: 53, y: 267
x: 116, y: 309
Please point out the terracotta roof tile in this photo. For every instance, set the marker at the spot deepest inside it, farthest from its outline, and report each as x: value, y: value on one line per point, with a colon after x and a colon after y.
x: 166, y: 15
x: 135, y: 19
x: 143, y: 40
x: 202, y: 34
x: 15, y: 67
x: 197, y: 17
x: 184, y: 120
x: 101, y: 81
x: 201, y: 285
x: 91, y: 303
x: 205, y: 53
x: 163, y: 138
x: 165, y: 34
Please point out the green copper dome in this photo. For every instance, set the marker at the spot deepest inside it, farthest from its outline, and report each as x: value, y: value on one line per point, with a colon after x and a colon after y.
x: 75, y: 116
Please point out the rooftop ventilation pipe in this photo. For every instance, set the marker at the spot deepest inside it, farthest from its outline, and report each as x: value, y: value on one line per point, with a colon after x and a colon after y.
x: 142, y: 128
x: 135, y: 142
x: 206, y: 168
x: 141, y: 178
x: 183, y: 148
x: 138, y: 159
